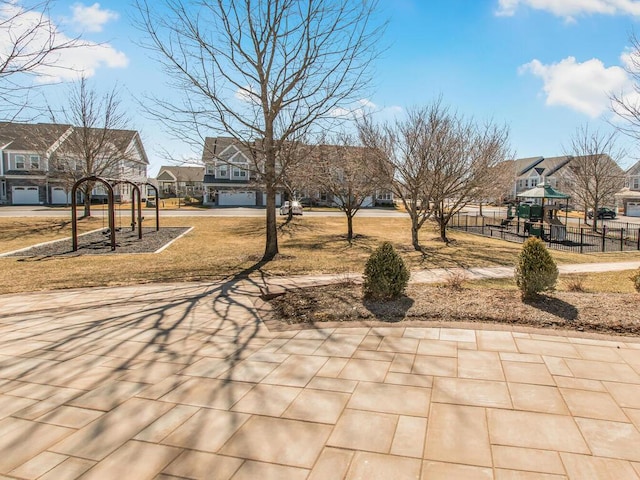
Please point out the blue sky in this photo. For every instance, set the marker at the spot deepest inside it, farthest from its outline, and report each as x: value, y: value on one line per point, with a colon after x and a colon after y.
x: 543, y: 67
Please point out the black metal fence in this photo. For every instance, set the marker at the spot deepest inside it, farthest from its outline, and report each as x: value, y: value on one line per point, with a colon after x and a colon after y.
x: 611, y: 236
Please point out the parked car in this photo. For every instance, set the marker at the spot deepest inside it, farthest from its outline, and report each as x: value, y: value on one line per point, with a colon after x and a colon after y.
x: 296, y: 208
x: 306, y: 202
x: 603, y: 213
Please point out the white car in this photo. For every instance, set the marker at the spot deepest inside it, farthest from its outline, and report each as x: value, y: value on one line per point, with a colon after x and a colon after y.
x: 296, y: 208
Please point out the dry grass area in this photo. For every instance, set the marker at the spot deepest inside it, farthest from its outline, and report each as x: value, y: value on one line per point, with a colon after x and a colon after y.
x: 610, y: 313
x: 220, y: 247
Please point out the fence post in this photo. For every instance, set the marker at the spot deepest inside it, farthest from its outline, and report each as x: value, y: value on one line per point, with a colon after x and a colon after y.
x: 638, y: 239
x: 466, y: 223
x: 581, y: 240
x: 622, y: 239
x: 482, y: 225
x: 604, y: 235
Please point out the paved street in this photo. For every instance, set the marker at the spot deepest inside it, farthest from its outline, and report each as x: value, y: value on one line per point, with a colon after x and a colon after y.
x: 187, y: 381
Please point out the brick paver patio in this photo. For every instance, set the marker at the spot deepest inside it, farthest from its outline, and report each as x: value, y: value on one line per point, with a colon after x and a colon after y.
x: 185, y: 381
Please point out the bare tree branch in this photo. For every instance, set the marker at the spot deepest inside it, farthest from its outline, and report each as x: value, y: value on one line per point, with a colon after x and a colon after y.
x: 264, y: 71
x: 596, y: 174
x: 100, y: 142
x: 29, y: 43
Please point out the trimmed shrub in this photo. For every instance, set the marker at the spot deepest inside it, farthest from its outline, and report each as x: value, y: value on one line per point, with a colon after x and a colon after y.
x: 536, y: 270
x: 385, y: 274
x: 635, y: 278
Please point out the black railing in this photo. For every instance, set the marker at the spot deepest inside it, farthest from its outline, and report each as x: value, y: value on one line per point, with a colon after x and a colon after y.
x: 610, y: 236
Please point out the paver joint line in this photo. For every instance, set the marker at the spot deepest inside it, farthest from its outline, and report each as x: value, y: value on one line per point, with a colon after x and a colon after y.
x: 175, y: 385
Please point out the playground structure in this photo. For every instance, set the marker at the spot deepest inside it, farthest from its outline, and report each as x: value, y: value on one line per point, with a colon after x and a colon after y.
x: 534, y: 216
x: 136, y: 205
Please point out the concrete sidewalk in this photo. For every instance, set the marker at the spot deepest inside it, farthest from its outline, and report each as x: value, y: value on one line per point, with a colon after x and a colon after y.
x: 185, y: 381
x: 274, y: 284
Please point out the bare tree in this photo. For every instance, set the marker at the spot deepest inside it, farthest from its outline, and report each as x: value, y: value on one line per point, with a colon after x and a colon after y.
x: 99, y: 141
x: 350, y: 174
x: 499, y: 185
x: 464, y: 156
x: 298, y: 176
x: 437, y: 161
x: 596, y: 175
x: 626, y: 104
x: 29, y: 43
x: 401, y: 149
x: 264, y: 71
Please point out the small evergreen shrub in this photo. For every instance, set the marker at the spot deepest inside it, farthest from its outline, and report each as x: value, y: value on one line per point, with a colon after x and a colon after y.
x: 635, y: 278
x: 385, y: 274
x: 536, y: 270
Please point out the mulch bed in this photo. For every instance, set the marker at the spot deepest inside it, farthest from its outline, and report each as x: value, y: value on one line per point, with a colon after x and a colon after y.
x: 581, y: 312
x: 99, y: 243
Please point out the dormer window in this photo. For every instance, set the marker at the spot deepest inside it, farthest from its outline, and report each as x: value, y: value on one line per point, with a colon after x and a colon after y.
x: 239, y: 174
x: 34, y: 160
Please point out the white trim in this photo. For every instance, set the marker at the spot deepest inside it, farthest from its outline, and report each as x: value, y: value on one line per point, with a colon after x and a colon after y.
x: 168, y: 244
x: 7, y: 254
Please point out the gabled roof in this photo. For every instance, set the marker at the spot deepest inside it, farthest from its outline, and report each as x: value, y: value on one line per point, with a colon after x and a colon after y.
x: 184, y: 174
x: 31, y: 137
x: 551, y: 165
x: 634, y: 169
x: 120, y: 139
x: 215, y: 146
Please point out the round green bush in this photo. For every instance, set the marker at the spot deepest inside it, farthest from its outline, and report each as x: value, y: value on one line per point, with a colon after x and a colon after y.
x: 536, y: 270
x: 385, y: 274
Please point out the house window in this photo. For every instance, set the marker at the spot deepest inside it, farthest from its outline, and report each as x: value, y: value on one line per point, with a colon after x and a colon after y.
x: 221, y: 172
x: 239, y: 174
x: 211, y: 170
x: 3, y: 190
x: 19, y: 162
x: 636, y: 183
x: 534, y: 182
x: 384, y: 196
x: 34, y: 160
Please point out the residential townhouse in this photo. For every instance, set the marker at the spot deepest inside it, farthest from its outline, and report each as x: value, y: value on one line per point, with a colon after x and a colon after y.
x: 39, y: 163
x: 24, y: 163
x: 558, y: 172
x: 231, y: 177
x: 533, y: 170
x: 628, y: 199
x: 173, y: 181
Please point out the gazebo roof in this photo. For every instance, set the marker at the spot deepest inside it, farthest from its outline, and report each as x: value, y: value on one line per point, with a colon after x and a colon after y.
x: 542, y: 191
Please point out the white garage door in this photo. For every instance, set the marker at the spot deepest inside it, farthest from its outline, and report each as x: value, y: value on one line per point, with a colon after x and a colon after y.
x: 278, y: 199
x: 633, y: 209
x: 24, y: 196
x: 238, y: 199
x: 59, y: 196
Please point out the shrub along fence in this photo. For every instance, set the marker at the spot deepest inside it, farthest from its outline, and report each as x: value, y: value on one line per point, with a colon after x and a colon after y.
x: 611, y: 236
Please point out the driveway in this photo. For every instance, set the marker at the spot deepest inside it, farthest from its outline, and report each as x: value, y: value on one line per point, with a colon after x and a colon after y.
x: 186, y: 381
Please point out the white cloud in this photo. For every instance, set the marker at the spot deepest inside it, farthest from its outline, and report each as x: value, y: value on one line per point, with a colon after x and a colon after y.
x: 91, y: 18
x: 65, y: 64
x: 363, y: 107
x: 584, y: 87
x: 569, y: 8
x: 247, y: 95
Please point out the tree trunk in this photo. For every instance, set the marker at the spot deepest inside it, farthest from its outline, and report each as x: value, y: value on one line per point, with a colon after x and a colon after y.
x: 480, y: 212
x: 414, y: 235
x: 349, y: 228
x: 87, y: 201
x: 271, y: 244
x: 443, y: 230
